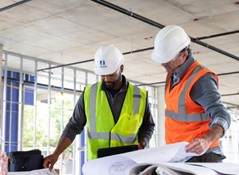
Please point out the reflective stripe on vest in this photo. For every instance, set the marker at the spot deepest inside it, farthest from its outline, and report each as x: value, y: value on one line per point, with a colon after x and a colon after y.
x: 96, y: 135
x: 181, y: 115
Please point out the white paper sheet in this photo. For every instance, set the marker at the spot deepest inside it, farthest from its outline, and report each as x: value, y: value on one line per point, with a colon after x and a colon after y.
x: 166, y: 153
x: 112, y: 165
x: 187, y: 168
x: 34, y: 172
x: 223, y: 168
x: 123, y: 163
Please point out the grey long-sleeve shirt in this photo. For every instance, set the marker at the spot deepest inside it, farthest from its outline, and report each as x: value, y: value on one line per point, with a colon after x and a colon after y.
x: 78, y: 120
x: 205, y: 93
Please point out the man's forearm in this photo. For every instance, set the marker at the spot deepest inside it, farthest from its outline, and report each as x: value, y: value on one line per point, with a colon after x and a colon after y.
x: 63, y: 143
x: 215, y: 133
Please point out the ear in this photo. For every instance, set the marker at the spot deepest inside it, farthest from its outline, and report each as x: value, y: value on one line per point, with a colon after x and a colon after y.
x: 185, y: 55
x: 121, y: 68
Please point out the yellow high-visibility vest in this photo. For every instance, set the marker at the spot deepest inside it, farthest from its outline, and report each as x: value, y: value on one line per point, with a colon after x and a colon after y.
x: 101, y: 128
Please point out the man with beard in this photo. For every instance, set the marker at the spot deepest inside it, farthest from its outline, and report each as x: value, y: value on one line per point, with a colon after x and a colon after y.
x: 116, y: 112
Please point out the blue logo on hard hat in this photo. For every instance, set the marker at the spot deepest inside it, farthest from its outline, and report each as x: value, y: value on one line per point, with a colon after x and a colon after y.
x: 102, y: 64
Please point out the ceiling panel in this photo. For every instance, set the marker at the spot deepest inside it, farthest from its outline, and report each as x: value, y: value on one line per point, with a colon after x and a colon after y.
x: 71, y: 31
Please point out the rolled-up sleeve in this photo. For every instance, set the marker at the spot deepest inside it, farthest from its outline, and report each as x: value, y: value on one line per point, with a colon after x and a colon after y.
x: 77, y: 121
x: 205, y: 93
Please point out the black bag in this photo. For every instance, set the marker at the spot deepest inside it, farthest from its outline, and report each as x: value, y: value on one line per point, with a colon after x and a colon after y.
x: 25, y: 160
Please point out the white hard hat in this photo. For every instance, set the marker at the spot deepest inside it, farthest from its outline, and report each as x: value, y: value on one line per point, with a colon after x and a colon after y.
x: 168, y: 43
x: 108, y: 59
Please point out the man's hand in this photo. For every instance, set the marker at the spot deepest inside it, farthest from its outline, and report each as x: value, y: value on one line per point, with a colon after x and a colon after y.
x: 141, y: 145
x: 50, y: 161
x: 201, y: 144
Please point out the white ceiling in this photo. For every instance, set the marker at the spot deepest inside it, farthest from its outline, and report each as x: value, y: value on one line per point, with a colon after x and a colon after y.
x: 68, y: 31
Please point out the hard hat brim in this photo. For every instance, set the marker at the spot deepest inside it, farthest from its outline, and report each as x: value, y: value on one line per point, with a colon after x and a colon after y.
x: 103, y: 72
x: 158, y: 59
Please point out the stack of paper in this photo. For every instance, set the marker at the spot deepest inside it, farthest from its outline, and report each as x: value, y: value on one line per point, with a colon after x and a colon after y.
x: 166, y: 160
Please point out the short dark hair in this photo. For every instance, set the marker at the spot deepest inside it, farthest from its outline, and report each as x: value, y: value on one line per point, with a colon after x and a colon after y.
x: 185, y: 49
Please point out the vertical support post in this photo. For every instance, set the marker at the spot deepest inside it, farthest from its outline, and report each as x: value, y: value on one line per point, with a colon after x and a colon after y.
x: 161, y: 116
x: 1, y: 104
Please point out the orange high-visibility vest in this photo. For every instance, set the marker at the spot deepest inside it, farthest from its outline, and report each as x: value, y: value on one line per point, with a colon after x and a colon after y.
x: 184, y: 119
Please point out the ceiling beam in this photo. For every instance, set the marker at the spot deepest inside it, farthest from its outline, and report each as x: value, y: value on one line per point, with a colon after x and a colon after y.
x: 13, y: 5
x: 217, y: 35
x: 231, y: 94
x: 228, y: 73
x: 158, y: 25
x: 163, y: 82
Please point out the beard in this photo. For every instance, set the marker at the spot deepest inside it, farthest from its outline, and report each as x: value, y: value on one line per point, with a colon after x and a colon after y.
x: 108, y: 85
x: 112, y: 85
